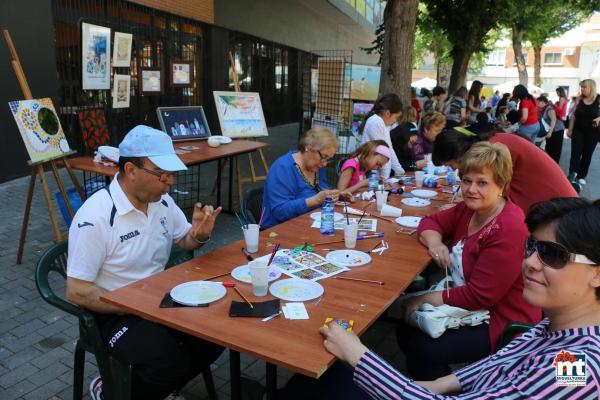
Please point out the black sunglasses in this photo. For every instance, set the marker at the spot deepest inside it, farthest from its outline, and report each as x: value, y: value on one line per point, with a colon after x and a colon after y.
x: 553, y: 254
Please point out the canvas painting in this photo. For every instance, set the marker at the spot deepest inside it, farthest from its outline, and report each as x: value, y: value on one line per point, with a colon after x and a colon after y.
x: 122, y: 49
x: 95, y: 48
x: 40, y: 129
x: 121, y: 92
x: 364, y: 84
x: 240, y: 114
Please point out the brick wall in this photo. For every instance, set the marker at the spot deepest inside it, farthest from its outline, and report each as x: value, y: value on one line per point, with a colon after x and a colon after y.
x: 200, y: 10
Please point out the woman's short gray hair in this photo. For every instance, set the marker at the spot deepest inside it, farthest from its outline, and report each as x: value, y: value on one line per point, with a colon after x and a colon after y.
x: 317, y: 139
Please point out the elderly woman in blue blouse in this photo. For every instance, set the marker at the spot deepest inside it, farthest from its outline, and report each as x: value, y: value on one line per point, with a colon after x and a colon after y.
x: 296, y: 182
x: 557, y: 359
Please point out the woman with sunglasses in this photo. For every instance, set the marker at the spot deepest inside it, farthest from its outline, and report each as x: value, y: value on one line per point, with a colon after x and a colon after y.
x: 297, y: 182
x: 562, y: 276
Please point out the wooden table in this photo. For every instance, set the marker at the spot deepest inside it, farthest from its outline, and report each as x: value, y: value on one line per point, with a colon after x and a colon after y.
x: 293, y: 344
x: 204, y: 154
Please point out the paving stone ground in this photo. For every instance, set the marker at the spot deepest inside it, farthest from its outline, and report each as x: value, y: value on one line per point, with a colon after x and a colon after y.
x: 37, y: 340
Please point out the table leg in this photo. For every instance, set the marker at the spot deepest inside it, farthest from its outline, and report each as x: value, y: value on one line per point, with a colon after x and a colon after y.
x: 219, y: 183
x: 271, y: 381
x: 235, y: 374
x: 231, y: 185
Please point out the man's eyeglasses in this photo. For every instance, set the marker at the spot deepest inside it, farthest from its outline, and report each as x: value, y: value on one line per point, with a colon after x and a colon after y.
x: 162, y: 176
x: 324, y: 159
x: 553, y: 255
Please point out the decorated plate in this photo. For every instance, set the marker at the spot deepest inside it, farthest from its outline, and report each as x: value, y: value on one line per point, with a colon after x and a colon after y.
x: 409, y: 222
x: 198, y: 292
x: 242, y: 273
x: 348, y: 258
x: 424, y: 193
x: 415, y: 202
x: 296, y: 289
x: 317, y: 216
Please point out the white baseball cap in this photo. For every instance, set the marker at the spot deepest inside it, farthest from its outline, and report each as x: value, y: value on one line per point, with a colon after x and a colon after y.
x: 144, y: 141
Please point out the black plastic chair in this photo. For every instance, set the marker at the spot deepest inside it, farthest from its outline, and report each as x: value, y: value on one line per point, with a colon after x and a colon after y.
x: 511, y: 330
x: 252, y: 204
x: 116, y: 376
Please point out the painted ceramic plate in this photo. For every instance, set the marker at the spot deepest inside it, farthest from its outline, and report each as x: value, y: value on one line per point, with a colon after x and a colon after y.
x: 415, y: 202
x: 296, y: 289
x: 222, y: 139
x: 317, y: 216
x: 198, y: 292
x: 348, y: 258
x: 242, y: 273
x: 409, y: 222
x: 424, y: 193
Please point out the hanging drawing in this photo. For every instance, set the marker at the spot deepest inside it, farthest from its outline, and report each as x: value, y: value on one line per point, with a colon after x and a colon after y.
x: 122, y: 49
x: 40, y: 129
x: 121, y: 84
x: 95, y: 56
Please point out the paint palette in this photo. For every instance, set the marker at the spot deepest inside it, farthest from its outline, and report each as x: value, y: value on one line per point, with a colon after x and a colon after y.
x: 195, y: 293
x: 348, y: 258
x: 296, y: 289
x: 242, y: 273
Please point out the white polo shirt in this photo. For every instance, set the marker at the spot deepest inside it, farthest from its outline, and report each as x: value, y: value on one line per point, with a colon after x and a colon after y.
x: 115, y: 246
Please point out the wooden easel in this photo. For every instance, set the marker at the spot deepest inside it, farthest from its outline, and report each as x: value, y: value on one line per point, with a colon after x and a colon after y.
x: 37, y: 169
x: 253, y: 177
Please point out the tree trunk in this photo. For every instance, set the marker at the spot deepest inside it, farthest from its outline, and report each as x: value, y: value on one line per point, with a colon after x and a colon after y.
x: 537, y: 65
x: 460, y: 64
x: 400, y: 19
x: 517, y: 41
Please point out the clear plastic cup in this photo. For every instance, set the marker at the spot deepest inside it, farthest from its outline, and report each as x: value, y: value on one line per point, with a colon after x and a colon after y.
x: 419, y: 175
x: 251, y: 237
x: 259, y: 272
x: 381, y: 197
x: 350, y: 234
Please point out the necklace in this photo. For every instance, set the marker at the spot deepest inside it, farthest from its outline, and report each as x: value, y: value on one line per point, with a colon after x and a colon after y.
x: 314, y: 184
x: 477, y: 226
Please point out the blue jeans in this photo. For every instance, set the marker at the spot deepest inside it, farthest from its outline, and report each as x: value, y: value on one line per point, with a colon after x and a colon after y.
x: 531, y: 131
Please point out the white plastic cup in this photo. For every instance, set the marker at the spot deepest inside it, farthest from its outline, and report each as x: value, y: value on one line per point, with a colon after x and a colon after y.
x: 259, y: 272
x: 350, y: 234
x: 251, y: 237
x: 427, y: 157
x: 390, y: 211
x: 419, y: 176
x: 381, y: 197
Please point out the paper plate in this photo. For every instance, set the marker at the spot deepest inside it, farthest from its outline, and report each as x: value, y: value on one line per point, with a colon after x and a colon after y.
x: 222, y: 139
x: 424, y: 193
x: 348, y: 258
x: 242, y: 273
x: 317, y: 216
x: 198, y: 292
x: 112, y: 153
x: 409, y: 222
x: 415, y: 202
x: 296, y: 289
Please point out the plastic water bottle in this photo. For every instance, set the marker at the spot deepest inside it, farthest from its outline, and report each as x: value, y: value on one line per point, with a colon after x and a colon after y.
x: 327, y: 215
x: 373, y: 180
x: 451, y: 177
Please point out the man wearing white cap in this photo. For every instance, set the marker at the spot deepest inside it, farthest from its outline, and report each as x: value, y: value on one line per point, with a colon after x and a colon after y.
x: 123, y: 234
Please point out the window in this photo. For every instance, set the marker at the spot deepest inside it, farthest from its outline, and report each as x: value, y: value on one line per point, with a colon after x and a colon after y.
x: 496, y: 57
x: 525, y: 56
x: 553, y: 59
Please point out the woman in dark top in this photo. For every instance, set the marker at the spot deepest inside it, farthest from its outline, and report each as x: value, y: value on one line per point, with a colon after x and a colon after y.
x: 583, y: 130
x: 403, y: 137
x: 503, y: 103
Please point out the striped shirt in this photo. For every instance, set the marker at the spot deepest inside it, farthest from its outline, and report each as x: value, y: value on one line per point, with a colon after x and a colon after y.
x: 523, y: 369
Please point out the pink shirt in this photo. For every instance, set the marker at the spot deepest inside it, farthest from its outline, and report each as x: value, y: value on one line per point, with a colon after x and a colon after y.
x: 358, y: 175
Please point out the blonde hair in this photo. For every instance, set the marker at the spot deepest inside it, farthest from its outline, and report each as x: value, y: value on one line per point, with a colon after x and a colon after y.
x: 409, y: 114
x: 433, y: 119
x: 317, y: 139
x: 365, y: 150
x: 591, y: 85
x: 496, y: 157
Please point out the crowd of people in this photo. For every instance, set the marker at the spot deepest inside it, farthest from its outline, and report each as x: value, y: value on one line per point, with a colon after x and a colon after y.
x: 520, y: 245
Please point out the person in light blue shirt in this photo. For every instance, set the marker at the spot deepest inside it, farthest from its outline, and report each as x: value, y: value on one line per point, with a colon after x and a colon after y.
x: 297, y: 182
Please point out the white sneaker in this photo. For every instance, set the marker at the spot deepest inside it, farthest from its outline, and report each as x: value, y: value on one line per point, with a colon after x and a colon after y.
x: 581, y: 181
x: 96, y: 389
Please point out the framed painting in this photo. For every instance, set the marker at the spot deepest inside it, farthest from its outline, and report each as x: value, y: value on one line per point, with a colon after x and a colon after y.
x: 121, y: 87
x: 183, y: 123
x: 151, y: 81
x: 122, y: 49
x: 240, y: 114
x: 95, y: 57
x: 182, y: 73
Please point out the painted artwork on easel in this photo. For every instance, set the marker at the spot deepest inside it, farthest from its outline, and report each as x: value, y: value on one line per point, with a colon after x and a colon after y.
x: 95, y: 56
x: 240, y: 114
x: 40, y: 129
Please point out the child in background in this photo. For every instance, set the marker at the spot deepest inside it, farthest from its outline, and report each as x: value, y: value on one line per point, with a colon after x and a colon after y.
x: 354, y: 172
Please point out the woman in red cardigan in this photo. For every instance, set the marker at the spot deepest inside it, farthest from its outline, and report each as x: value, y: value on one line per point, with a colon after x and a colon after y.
x: 486, y: 233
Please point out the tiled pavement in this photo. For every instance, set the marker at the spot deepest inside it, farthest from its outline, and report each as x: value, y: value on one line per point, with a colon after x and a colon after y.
x: 37, y: 340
